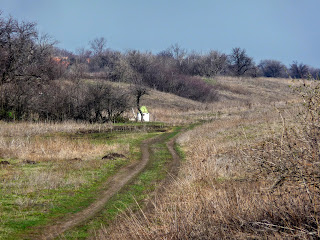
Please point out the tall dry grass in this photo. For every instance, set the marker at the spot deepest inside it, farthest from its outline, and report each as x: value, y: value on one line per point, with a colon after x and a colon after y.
x: 51, y: 148
x: 251, y: 175
x: 55, y: 160
x: 25, y: 129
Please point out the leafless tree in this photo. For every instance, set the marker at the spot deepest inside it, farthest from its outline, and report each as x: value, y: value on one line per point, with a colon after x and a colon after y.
x: 315, y: 73
x: 178, y: 52
x: 240, y: 62
x: 25, y: 62
x: 299, y: 70
x: 98, y: 59
x: 118, y: 69
x: 208, y: 65
x: 272, y: 68
x: 138, y: 90
x: 98, y: 46
x: 83, y: 55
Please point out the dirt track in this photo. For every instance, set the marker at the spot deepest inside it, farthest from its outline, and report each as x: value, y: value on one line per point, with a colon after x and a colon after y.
x: 112, y: 186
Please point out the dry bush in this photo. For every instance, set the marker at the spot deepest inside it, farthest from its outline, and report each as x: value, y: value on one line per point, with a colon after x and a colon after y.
x: 227, y: 210
x: 292, y: 160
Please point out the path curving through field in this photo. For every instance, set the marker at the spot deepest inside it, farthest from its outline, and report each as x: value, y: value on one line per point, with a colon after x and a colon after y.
x: 112, y: 186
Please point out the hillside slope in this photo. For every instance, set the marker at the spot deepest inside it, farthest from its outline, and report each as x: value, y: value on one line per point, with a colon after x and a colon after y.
x: 233, y: 93
x: 251, y: 172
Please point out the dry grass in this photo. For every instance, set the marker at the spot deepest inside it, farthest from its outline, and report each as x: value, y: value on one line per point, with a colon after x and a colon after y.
x: 25, y: 129
x: 235, y: 95
x: 251, y: 174
x: 51, y: 148
x: 38, y: 141
x: 41, y: 158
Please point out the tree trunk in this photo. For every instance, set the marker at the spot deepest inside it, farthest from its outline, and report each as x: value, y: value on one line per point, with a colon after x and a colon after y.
x: 138, y: 106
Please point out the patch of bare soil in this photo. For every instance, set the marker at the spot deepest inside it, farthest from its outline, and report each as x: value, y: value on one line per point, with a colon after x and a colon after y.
x: 29, y: 162
x: 112, y: 156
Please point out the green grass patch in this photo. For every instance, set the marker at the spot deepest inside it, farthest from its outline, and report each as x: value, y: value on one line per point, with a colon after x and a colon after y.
x: 180, y: 152
x: 211, y: 81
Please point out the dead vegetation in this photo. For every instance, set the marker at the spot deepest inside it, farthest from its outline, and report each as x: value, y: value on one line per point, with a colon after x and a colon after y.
x: 50, y: 148
x: 253, y: 174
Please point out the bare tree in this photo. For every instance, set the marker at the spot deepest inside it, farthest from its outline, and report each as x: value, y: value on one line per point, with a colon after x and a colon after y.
x: 272, y: 68
x: 98, y: 60
x: 138, y: 91
x: 118, y: 69
x: 98, y: 46
x: 165, y: 54
x: 216, y: 63
x: 117, y: 103
x: 25, y: 62
x: 240, y: 62
x: 208, y: 65
x: 139, y: 62
x: 178, y: 53
x: 315, y: 73
x: 79, y: 64
x: 83, y: 55
x: 299, y: 70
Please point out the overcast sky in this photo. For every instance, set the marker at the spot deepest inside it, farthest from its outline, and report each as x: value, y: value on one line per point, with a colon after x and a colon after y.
x: 285, y: 30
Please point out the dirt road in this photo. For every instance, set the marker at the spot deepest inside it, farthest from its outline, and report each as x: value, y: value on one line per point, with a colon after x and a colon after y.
x: 112, y: 186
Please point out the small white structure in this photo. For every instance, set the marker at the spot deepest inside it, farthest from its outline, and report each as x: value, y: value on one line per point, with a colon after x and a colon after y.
x: 146, y: 117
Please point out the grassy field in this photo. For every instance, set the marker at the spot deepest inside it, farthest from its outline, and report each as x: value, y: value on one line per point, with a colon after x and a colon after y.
x: 229, y: 185
x: 55, y: 173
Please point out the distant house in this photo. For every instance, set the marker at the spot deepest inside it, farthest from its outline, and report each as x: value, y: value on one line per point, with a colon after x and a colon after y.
x: 63, y: 61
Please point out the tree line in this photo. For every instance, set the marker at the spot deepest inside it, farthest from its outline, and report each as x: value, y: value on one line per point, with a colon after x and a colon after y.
x: 118, y: 66
x: 33, y: 74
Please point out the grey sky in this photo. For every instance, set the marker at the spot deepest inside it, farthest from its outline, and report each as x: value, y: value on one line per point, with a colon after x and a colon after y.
x: 285, y: 30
